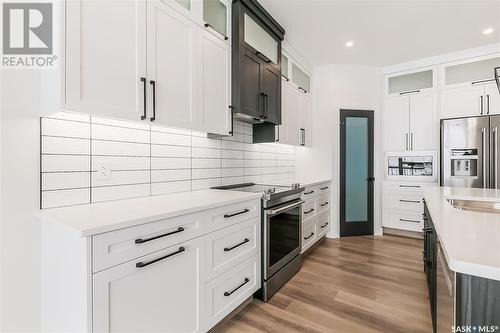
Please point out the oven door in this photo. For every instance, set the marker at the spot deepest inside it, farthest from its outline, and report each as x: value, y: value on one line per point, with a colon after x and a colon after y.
x: 282, y: 236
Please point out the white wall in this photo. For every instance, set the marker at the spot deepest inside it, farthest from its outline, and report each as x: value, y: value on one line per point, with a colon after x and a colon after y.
x: 19, y: 173
x: 335, y: 87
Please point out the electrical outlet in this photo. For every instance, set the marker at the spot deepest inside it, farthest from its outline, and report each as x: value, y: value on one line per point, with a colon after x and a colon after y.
x: 104, y: 171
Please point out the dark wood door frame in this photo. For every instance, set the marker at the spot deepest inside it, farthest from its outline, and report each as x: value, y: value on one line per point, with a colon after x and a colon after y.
x: 357, y: 228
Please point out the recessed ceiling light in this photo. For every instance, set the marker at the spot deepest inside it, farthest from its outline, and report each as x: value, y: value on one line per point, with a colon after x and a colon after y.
x: 349, y: 43
x: 487, y: 31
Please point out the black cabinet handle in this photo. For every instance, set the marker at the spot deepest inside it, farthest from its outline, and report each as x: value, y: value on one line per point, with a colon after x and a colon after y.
x: 266, y: 106
x: 370, y: 179
x: 140, y: 240
x: 309, y: 211
x: 409, y: 201
x: 227, y: 249
x: 409, y: 92
x: 323, y: 188
x: 141, y: 264
x: 310, y: 192
x: 303, y: 90
x: 143, y: 80
x: 324, y: 225
x: 482, y: 81
x: 229, y: 293
x: 263, y: 57
x: 262, y: 105
x: 286, y: 78
x: 207, y: 25
x: 324, y: 204
x: 231, y: 215
x: 312, y: 234
x: 303, y: 137
x: 153, y: 83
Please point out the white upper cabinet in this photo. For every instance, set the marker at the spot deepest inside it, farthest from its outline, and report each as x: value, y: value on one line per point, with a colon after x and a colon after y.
x: 216, y: 17
x: 396, y: 122
x: 188, y: 8
x: 409, y: 82
x: 172, y: 45
x: 305, y: 105
x: 216, y: 84
x: 300, y: 78
x: 469, y: 89
x: 423, y: 122
x: 106, y: 58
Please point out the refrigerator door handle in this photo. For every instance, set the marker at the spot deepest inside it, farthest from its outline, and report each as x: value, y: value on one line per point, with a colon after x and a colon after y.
x: 495, y: 157
x: 483, y: 137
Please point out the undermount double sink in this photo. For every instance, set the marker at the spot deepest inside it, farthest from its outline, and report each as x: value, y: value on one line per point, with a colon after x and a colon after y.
x: 492, y: 207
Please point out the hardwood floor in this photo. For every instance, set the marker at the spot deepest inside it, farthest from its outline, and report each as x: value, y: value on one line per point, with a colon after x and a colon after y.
x: 348, y: 285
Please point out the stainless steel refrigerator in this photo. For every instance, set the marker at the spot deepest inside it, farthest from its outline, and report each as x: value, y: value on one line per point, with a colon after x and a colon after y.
x: 469, y: 152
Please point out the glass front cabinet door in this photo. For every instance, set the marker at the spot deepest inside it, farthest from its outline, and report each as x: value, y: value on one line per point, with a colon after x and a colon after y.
x: 216, y: 17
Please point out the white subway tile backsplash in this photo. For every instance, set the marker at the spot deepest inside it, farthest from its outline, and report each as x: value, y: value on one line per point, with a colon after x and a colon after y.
x: 65, y: 180
x: 65, y: 128
x: 52, y: 199
x: 54, y: 163
x: 146, y: 159
x: 109, y: 193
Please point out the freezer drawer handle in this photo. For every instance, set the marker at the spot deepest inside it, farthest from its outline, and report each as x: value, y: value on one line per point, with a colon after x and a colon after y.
x: 227, y: 249
x: 140, y: 240
x: 406, y: 220
x: 229, y: 293
x: 141, y: 264
x: 226, y: 216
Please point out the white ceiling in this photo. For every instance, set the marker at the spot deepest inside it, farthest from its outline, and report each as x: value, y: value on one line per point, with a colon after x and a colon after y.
x: 384, y: 32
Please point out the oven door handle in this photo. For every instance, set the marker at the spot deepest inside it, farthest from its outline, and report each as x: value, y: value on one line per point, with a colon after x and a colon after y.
x: 285, y: 208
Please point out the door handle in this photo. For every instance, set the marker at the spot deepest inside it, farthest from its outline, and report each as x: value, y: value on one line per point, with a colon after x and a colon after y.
x: 153, y: 83
x: 488, y: 104
x: 207, y: 25
x: 141, y: 264
x: 141, y: 240
x: 303, y: 90
x: 266, y: 106
x: 229, y: 293
x: 483, y: 135
x: 370, y: 179
x: 226, y: 216
x: 411, y: 141
x: 302, y: 137
x: 495, y: 158
x: 143, y: 80
x: 227, y: 249
x: 282, y: 209
x: 262, y: 57
x: 481, y: 103
x: 406, y: 141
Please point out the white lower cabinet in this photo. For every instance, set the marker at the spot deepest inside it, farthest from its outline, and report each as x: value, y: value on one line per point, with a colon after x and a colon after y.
x: 226, y: 292
x: 315, y: 214
x: 159, y: 292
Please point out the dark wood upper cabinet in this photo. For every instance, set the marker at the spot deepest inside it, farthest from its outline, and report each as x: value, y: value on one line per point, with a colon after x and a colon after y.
x: 256, y: 66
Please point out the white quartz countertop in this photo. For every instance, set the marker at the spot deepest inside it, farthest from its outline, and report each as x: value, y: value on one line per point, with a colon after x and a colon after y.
x: 470, y: 240
x: 302, y: 182
x: 102, y: 217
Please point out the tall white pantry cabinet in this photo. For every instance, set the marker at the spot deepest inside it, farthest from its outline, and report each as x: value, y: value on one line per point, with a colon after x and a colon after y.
x: 149, y: 60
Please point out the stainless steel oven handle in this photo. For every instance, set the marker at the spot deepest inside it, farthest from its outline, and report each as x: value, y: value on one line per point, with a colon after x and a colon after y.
x: 285, y: 208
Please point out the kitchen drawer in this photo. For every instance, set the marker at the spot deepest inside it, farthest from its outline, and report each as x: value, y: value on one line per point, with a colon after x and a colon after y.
x: 323, y: 223
x: 410, y: 221
x: 310, y: 192
x: 407, y: 186
x: 309, y: 235
x: 323, y: 202
x: 115, y: 247
x: 228, y: 291
x: 230, y: 246
x: 222, y: 217
x: 309, y: 209
x: 403, y: 200
x: 323, y: 188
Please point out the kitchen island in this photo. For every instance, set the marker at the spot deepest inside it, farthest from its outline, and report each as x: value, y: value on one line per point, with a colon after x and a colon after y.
x: 462, y: 257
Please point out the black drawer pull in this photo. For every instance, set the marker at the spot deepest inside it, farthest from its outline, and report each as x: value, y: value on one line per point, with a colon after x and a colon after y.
x: 309, y: 211
x: 324, y: 204
x: 140, y: 240
x: 231, y: 215
x: 141, y: 264
x: 409, y: 201
x: 413, y: 221
x: 228, y: 293
x: 323, y: 188
x: 227, y: 249
x: 410, y: 186
x: 312, y: 234
x: 324, y: 225
x: 310, y: 192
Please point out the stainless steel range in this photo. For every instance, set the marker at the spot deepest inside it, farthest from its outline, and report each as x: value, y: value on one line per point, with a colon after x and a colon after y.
x: 281, y: 233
